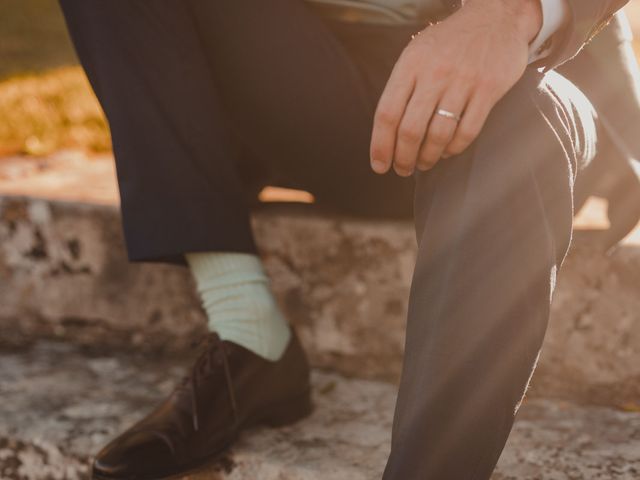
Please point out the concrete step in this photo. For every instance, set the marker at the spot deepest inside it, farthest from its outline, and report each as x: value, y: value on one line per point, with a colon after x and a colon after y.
x: 343, y: 282
x: 59, y: 405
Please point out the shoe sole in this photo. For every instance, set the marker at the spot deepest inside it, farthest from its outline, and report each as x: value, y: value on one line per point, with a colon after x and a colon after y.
x: 280, y: 415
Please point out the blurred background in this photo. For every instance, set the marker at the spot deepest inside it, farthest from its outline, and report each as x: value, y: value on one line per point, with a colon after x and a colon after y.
x: 88, y: 342
x: 47, y: 107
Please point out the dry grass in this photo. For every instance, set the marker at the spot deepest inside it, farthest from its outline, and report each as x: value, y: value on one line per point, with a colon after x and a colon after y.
x: 49, y: 111
x: 45, y: 100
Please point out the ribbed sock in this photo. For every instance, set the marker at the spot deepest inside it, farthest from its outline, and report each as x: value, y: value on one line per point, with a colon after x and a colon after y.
x: 235, y: 293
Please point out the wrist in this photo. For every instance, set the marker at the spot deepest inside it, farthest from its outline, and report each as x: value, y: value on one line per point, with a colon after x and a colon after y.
x: 529, y: 13
x: 525, y: 15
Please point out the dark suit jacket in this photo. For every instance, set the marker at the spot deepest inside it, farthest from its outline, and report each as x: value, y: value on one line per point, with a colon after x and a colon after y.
x: 587, y: 18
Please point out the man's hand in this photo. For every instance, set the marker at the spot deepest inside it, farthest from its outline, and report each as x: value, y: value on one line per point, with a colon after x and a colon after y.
x: 462, y: 65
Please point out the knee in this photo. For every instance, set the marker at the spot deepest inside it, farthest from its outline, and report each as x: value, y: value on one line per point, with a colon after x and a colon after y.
x: 577, y: 116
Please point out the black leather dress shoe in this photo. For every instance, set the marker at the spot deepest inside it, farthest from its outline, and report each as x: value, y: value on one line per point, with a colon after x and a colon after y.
x: 229, y: 389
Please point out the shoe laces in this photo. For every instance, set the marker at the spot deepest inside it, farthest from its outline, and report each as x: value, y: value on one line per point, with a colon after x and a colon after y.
x: 214, y: 354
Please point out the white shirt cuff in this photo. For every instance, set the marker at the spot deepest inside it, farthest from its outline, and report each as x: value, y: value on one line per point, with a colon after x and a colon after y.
x: 554, y: 14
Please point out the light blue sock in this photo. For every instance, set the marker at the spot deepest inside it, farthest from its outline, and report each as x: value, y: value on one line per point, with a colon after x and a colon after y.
x: 240, y: 306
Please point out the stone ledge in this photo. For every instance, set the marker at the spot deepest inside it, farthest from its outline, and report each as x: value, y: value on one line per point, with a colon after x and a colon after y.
x: 343, y: 282
x: 59, y: 406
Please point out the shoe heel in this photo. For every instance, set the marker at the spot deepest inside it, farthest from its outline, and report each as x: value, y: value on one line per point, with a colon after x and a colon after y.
x: 290, y: 411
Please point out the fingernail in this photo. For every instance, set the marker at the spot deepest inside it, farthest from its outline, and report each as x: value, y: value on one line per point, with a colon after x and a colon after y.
x: 404, y: 173
x: 378, y: 166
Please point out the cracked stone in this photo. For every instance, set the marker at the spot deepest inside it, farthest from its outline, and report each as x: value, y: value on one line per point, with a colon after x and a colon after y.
x: 60, y: 404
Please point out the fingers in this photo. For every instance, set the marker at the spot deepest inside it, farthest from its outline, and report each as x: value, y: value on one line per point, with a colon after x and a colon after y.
x: 412, y: 130
x: 407, y: 133
x: 470, y: 125
x: 391, y: 108
x: 441, y: 129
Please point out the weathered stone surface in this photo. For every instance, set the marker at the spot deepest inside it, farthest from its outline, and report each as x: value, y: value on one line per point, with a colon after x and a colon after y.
x: 65, y: 272
x: 594, y: 332
x: 59, y: 406
x: 343, y: 282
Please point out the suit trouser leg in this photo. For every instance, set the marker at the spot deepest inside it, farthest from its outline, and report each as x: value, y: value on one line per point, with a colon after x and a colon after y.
x: 200, y: 94
x: 493, y: 226
x: 172, y: 146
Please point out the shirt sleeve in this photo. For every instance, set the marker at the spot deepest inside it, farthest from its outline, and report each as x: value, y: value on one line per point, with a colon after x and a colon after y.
x: 554, y: 14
